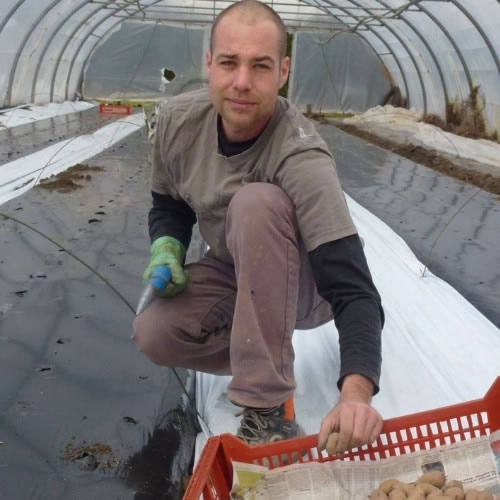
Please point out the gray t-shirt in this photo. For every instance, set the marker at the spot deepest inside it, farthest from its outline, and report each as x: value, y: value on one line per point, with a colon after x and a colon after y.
x: 188, y: 165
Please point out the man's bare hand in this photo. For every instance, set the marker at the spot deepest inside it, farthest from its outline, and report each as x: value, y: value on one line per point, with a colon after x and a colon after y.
x: 356, y: 421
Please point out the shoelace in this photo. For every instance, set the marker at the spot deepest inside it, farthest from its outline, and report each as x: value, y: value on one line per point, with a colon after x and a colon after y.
x: 253, y: 422
x: 261, y: 411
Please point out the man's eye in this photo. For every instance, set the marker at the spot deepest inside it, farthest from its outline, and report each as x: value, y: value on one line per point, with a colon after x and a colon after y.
x: 262, y: 66
x: 227, y: 63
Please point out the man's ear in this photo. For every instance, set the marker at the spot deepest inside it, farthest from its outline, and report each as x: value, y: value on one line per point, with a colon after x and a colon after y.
x: 208, y: 61
x: 284, y: 70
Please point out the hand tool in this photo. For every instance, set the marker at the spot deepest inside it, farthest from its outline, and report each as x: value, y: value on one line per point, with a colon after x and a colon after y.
x: 160, y: 278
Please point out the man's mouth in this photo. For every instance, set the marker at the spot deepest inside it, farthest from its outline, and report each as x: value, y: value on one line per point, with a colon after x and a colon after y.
x: 241, y: 103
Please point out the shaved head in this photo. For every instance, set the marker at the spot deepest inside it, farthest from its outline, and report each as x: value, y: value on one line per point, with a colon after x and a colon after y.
x: 252, y: 12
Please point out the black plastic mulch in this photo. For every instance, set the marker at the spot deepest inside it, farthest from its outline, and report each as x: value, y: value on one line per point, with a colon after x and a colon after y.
x: 83, y: 414
x: 417, y: 203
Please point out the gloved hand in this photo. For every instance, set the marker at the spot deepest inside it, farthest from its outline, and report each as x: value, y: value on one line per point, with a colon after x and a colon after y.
x: 170, y: 252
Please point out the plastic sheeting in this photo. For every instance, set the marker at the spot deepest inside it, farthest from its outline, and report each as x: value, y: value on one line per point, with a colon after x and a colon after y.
x: 425, y: 364
x: 22, y: 174
x: 84, y: 415
x: 406, y: 123
x: 44, y: 46
x: 129, y: 63
x: 449, y: 225
x: 435, y: 51
x: 30, y: 113
x: 338, y: 82
x: 423, y: 315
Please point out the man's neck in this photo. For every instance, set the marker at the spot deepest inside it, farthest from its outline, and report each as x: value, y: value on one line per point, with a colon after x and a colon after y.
x: 233, y: 135
x: 232, y: 148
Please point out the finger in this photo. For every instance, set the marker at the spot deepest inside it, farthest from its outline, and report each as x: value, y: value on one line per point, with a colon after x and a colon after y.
x: 359, y: 431
x: 376, y: 429
x: 346, y: 428
x: 372, y: 427
x: 329, y: 425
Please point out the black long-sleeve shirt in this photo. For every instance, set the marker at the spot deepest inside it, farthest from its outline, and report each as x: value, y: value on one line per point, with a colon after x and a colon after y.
x: 340, y: 271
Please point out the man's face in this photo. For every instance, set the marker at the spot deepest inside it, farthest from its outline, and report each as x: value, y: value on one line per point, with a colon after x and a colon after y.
x: 245, y: 73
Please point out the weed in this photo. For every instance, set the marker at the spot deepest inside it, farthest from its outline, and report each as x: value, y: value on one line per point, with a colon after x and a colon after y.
x: 464, y: 117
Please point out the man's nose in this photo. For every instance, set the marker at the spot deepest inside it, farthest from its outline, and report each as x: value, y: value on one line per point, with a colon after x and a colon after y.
x: 242, y: 78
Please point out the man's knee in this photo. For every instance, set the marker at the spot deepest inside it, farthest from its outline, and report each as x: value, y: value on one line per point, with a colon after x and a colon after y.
x: 154, y: 339
x: 260, y: 199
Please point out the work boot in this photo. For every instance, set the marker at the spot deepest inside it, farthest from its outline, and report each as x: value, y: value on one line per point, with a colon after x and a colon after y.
x: 265, y: 425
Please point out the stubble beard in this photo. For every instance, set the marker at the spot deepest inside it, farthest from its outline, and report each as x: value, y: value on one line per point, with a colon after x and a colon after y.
x: 243, y: 121
x: 239, y: 121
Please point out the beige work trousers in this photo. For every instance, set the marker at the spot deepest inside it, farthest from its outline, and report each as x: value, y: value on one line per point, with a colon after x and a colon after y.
x: 238, y: 319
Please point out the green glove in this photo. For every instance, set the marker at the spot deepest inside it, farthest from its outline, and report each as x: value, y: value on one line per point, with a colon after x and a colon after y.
x: 170, y: 252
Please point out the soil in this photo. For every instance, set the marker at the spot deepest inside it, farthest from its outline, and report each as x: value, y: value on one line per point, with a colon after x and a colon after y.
x: 67, y: 181
x: 320, y: 117
x: 101, y: 455
x: 429, y: 158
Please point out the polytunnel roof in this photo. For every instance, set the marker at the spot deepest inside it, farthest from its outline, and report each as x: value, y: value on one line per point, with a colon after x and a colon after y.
x: 434, y: 49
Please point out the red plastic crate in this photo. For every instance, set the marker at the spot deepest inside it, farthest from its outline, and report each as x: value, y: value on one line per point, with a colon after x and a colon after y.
x: 213, y: 476
x: 115, y: 109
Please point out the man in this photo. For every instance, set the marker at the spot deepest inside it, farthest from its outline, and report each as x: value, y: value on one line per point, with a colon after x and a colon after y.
x: 284, y: 252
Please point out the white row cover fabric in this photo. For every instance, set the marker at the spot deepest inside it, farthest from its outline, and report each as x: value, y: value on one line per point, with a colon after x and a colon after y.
x: 31, y: 113
x: 437, y: 349
x: 435, y: 51
x: 406, y: 123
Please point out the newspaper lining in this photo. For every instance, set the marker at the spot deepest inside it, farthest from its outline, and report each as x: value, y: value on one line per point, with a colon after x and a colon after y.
x: 475, y: 462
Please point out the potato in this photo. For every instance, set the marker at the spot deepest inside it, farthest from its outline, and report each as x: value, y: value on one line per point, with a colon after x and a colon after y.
x: 415, y: 489
x: 416, y: 495
x: 484, y: 495
x: 378, y: 495
x: 331, y: 445
x: 471, y: 494
x: 407, y: 488
x: 435, y: 496
x: 397, y: 494
x: 435, y: 477
x: 451, y: 484
x: 387, y: 485
x: 455, y: 493
x: 429, y: 489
